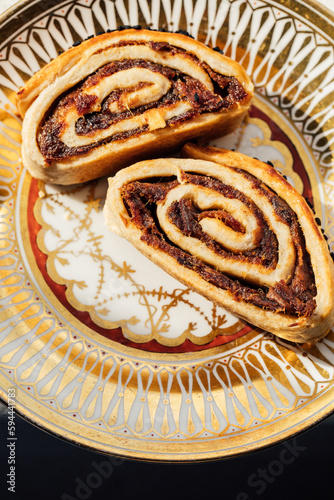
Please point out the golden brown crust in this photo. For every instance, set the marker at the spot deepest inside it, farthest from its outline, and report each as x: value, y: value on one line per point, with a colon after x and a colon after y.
x: 298, y: 326
x: 40, y: 93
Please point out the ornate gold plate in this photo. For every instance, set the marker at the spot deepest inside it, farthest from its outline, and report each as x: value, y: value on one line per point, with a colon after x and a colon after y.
x: 103, y: 348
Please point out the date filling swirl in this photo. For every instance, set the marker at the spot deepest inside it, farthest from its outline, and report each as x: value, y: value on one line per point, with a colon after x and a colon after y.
x: 249, y: 244
x: 145, y: 86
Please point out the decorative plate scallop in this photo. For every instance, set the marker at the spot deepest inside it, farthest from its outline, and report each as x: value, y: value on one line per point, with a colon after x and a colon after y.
x: 104, y: 348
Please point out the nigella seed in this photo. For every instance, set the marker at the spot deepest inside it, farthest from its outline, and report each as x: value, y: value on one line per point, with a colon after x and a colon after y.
x: 137, y: 27
x: 318, y: 221
x: 78, y: 42
x: 309, y: 203
x: 183, y: 32
x: 89, y: 37
x: 217, y: 49
x: 270, y: 163
x: 126, y: 27
x: 326, y: 237
x: 196, y: 97
x: 120, y: 28
x: 100, y: 33
x: 332, y: 255
x: 285, y: 177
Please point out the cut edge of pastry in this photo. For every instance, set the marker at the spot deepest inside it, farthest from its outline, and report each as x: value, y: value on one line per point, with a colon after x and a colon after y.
x: 34, y: 101
x: 290, y: 327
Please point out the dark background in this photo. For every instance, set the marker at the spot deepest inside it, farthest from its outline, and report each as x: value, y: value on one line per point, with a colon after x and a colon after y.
x: 52, y: 469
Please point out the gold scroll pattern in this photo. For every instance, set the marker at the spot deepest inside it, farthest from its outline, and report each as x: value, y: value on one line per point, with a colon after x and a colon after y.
x: 73, y: 237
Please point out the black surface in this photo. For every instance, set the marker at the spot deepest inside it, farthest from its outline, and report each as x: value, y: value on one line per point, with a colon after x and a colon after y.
x: 49, y: 468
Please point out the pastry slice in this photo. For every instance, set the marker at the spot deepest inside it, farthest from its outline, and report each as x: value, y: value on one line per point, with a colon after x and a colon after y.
x: 124, y: 96
x: 234, y: 230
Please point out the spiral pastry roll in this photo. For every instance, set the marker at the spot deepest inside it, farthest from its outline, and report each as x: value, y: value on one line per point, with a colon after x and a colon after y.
x: 234, y: 230
x: 124, y: 96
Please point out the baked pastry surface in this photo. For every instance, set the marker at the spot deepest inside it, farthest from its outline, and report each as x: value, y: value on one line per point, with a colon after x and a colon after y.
x: 124, y: 96
x: 233, y: 229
